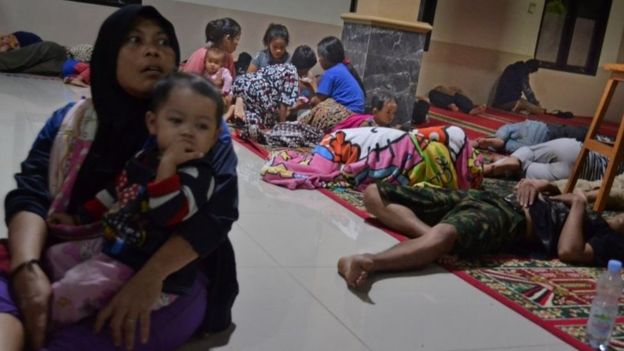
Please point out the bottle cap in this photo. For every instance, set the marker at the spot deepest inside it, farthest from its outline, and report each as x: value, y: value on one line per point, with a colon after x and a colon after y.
x: 614, y: 266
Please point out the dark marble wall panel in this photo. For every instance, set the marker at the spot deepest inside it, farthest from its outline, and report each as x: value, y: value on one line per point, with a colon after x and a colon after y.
x: 386, y: 59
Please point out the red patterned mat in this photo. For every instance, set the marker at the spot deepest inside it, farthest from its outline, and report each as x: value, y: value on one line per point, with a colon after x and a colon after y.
x: 552, y: 294
x: 492, y: 119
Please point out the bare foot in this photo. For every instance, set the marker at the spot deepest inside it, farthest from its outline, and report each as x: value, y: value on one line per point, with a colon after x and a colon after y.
x: 476, y: 143
x: 78, y: 82
x: 355, y: 269
x: 453, y: 108
x: 477, y: 110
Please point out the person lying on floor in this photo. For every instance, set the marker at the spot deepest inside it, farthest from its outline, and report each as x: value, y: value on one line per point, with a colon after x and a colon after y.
x: 551, y: 160
x: 510, y: 137
x: 471, y: 223
x: 452, y: 98
x: 24, y: 52
x: 512, y: 84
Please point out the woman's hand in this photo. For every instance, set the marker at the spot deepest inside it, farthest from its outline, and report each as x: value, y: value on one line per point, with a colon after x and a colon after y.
x: 32, y: 292
x: 132, y: 305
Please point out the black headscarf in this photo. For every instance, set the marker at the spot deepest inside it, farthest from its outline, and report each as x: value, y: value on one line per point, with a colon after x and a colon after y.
x: 121, y: 117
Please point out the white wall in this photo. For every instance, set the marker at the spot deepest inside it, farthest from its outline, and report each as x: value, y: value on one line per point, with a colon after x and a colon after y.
x: 472, y: 42
x: 70, y: 23
x: 321, y: 11
x: 501, y: 25
x: 65, y: 22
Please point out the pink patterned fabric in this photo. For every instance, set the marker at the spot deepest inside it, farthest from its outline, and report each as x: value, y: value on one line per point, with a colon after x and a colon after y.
x: 353, y: 121
x: 87, y: 287
x: 70, y: 148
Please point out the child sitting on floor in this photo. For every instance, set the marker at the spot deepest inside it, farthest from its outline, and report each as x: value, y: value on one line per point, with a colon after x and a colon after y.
x: 379, y: 113
x: 275, y: 41
x: 304, y: 58
x: 340, y: 82
x: 163, y: 185
x: 215, y: 72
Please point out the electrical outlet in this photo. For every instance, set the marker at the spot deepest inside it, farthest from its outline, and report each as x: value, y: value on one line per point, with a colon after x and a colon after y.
x: 532, y: 7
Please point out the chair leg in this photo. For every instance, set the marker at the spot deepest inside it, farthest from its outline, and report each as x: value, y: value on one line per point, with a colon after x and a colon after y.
x: 576, y: 171
x: 615, y: 158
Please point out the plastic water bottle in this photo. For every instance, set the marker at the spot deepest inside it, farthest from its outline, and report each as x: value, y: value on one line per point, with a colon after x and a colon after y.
x: 604, y: 309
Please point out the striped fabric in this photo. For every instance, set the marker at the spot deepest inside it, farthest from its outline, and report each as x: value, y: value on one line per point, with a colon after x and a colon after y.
x: 596, y: 164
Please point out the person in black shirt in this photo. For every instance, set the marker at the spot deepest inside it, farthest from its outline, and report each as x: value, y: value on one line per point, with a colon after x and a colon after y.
x: 513, y: 83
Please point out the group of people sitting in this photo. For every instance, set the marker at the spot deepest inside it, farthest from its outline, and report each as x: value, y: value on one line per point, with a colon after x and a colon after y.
x: 107, y: 224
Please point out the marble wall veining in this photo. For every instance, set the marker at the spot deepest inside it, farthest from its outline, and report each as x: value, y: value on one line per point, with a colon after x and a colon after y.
x: 387, y: 59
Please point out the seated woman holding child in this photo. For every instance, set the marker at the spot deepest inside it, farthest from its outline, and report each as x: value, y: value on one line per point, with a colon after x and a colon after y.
x: 81, y: 150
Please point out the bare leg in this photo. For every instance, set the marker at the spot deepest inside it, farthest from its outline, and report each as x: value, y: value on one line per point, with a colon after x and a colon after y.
x: 11, y: 333
x: 395, y: 216
x: 453, y: 107
x: 78, y: 82
x: 524, y: 105
x: 406, y: 255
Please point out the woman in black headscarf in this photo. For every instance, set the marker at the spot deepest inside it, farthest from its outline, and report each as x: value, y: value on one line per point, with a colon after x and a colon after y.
x: 135, y: 47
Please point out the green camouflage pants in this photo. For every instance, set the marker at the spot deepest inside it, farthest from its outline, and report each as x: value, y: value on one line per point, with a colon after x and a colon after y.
x: 485, y: 222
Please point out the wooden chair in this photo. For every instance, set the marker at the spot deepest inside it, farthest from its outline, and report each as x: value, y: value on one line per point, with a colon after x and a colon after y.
x: 613, y: 151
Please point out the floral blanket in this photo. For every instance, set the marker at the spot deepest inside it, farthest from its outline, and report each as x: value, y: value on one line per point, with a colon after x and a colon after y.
x: 437, y: 156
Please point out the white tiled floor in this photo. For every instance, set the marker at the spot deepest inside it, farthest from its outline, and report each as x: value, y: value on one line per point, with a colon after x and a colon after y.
x: 287, y: 244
